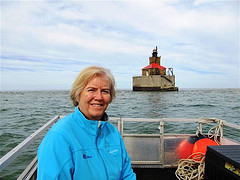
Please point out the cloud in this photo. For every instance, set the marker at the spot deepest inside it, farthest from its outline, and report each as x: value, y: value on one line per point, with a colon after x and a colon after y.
x: 193, y: 37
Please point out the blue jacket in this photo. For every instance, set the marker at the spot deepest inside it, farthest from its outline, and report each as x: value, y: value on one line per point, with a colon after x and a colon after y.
x: 78, y: 148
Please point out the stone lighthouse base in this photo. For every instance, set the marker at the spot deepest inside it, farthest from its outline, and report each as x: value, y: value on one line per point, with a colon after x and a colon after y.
x: 154, y: 83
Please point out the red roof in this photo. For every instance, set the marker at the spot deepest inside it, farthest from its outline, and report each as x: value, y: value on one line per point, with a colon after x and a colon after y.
x: 154, y: 65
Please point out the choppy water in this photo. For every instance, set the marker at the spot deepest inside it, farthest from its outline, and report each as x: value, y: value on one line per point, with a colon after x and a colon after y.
x: 22, y: 113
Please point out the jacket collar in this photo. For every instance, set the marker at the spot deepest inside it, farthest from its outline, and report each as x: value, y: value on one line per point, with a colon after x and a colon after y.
x: 104, y: 117
x: 90, y: 124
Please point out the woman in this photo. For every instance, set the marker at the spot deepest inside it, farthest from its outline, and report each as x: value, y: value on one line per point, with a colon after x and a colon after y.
x: 84, y: 145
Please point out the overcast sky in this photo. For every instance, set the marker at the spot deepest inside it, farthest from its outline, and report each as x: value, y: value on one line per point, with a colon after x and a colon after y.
x: 44, y: 45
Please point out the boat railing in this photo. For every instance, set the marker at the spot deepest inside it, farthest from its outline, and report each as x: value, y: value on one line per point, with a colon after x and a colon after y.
x: 15, y: 152
x: 157, y: 150
x: 160, y: 150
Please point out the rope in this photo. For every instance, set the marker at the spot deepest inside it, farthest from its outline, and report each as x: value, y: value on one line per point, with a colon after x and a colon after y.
x: 214, y: 132
x: 191, y: 168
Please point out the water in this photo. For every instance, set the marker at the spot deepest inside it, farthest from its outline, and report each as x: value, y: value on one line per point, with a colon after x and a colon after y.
x: 22, y: 113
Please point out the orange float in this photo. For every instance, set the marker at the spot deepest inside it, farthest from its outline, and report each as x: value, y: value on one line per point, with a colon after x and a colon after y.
x: 185, y: 147
x: 200, y: 146
x: 194, y: 145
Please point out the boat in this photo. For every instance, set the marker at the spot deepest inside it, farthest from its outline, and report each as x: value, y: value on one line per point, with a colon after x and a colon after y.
x: 155, y: 155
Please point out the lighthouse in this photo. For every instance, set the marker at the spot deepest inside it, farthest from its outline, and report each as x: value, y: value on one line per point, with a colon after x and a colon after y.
x: 154, y: 76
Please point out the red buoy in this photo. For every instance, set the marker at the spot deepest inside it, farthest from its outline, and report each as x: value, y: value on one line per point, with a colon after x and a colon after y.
x: 196, y: 144
x: 200, y: 146
x: 185, y: 147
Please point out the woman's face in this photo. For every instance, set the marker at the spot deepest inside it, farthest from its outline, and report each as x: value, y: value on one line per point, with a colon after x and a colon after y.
x: 95, y: 97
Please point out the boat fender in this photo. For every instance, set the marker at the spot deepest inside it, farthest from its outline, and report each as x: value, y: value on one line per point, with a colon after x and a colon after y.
x: 185, y: 147
x: 200, y: 146
x: 193, y: 144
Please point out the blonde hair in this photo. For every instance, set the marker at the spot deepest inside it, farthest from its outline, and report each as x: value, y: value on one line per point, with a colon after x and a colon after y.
x: 85, y: 76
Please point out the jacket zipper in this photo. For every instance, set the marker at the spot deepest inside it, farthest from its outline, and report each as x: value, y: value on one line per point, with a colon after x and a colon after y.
x: 99, y: 128
x: 98, y: 135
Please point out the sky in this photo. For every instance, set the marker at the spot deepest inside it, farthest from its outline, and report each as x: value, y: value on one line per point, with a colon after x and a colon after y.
x: 45, y: 44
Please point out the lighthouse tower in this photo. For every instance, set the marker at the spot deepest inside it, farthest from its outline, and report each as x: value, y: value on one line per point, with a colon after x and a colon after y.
x: 154, y: 67
x: 154, y: 76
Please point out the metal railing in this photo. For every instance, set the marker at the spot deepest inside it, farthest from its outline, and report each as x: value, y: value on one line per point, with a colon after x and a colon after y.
x: 15, y: 152
x: 132, y: 142
x: 161, y: 150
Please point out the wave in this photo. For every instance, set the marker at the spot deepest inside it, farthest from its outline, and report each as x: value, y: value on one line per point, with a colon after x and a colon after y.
x: 237, y: 107
x: 193, y: 105
x: 201, y: 105
x: 3, y: 110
